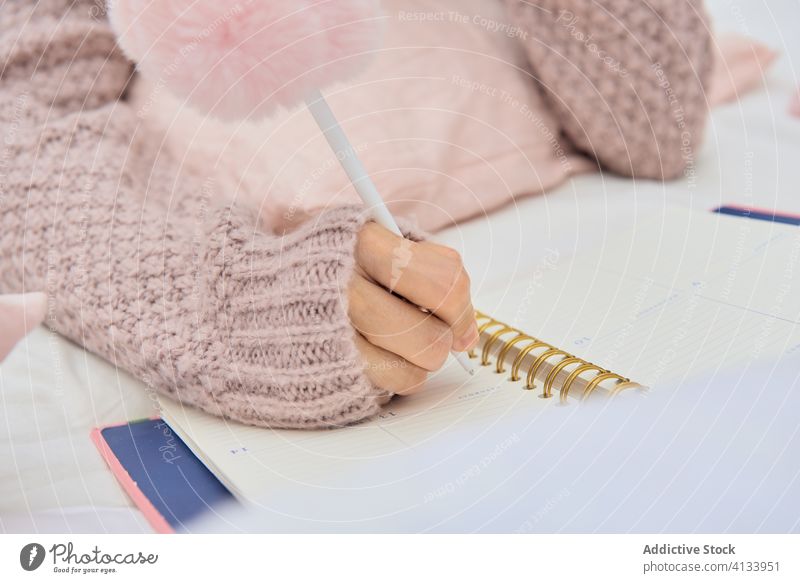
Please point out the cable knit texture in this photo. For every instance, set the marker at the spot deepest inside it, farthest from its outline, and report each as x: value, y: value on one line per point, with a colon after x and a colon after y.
x: 145, y: 266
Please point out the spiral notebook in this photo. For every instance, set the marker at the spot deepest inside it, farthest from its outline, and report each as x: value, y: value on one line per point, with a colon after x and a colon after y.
x: 679, y: 294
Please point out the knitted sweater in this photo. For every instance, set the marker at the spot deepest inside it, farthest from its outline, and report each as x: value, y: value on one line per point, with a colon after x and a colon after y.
x: 189, y: 294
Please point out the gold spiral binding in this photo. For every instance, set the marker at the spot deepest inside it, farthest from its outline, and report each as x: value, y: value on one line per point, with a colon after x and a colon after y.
x: 548, y: 383
x: 585, y: 367
x: 501, y: 357
x: 599, y: 379
x: 522, y: 354
x: 549, y: 352
x: 489, y: 343
x: 623, y: 385
x: 482, y: 328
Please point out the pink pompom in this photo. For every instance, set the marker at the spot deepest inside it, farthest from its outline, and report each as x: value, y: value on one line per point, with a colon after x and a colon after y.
x: 243, y: 59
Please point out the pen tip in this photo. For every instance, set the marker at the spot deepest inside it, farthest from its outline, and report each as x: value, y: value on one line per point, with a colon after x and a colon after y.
x: 464, y: 361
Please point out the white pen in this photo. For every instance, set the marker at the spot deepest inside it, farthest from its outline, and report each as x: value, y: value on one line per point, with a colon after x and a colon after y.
x: 363, y: 184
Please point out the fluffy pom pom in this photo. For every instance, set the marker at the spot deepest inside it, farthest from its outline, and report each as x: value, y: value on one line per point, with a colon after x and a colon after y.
x: 243, y: 59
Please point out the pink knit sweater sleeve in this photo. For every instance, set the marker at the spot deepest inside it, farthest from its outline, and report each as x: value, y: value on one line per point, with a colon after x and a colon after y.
x: 628, y: 79
x: 189, y: 296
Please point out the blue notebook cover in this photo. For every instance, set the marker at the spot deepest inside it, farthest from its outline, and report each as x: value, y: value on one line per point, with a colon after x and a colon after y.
x: 160, y: 473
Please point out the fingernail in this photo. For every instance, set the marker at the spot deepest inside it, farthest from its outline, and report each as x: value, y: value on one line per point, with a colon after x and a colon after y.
x: 468, y: 340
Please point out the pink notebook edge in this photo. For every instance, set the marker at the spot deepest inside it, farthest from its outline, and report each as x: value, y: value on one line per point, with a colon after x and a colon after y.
x: 151, y: 514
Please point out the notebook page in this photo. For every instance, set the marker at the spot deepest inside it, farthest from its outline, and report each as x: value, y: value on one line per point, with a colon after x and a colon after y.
x: 647, y: 309
x: 683, y: 293
x: 251, y: 461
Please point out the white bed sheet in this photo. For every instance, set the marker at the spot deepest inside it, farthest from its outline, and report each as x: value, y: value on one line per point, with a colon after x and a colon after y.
x: 52, y: 393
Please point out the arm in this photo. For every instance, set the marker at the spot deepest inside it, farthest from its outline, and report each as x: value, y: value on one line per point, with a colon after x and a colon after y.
x: 628, y: 79
x: 187, y: 295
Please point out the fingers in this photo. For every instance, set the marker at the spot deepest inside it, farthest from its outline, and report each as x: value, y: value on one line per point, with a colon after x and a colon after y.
x: 426, y: 274
x: 399, y: 342
x: 398, y: 327
x: 388, y: 371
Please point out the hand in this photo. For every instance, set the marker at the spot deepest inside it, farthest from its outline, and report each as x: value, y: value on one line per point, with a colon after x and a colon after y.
x: 399, y: 342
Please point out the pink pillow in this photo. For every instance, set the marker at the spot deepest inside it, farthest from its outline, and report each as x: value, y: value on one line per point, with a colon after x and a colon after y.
x: 794, y: 105
x: 740, y: 66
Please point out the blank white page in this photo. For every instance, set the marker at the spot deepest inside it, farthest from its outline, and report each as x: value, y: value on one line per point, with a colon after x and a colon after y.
x: 684, y: 293
x: 251, y: 460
